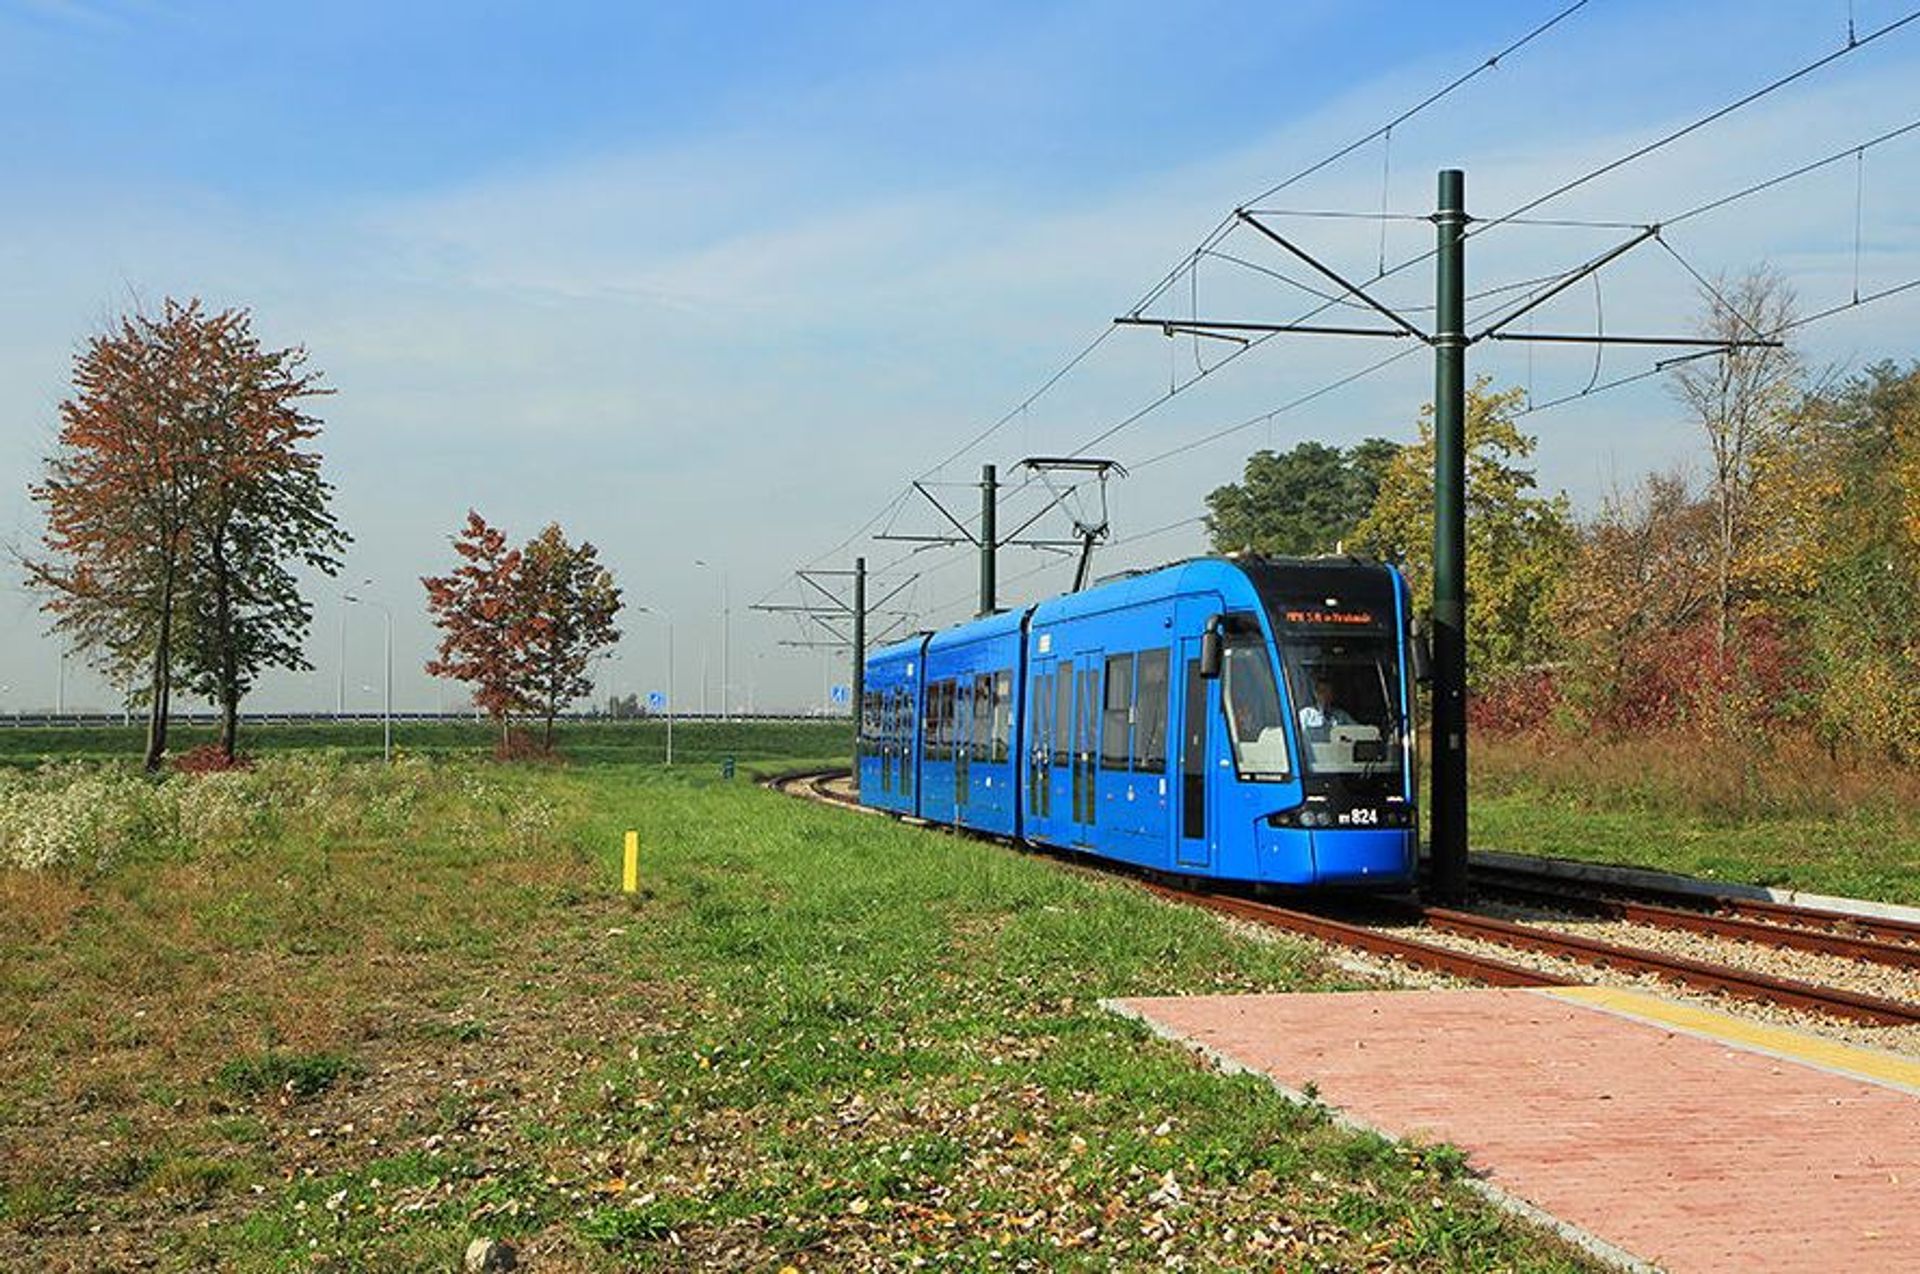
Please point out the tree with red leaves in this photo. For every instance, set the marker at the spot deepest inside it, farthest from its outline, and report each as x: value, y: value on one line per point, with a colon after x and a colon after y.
x: 179, y: 500
x: 480, y: 613
x: 522, y: 625
x: 569, y: 601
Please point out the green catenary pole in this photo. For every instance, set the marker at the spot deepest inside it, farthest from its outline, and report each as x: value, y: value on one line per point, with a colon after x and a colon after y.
x: 859, y: 660
x: 989, y: 493
x: 1449, y: 795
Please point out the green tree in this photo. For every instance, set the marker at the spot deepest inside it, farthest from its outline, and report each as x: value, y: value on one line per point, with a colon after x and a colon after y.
x: 1838, y: 506
x: 1304, y: 501
x: 1519, y: 543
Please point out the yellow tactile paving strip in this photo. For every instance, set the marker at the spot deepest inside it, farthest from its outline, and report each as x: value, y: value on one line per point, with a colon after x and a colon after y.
x: 1777, y: 1041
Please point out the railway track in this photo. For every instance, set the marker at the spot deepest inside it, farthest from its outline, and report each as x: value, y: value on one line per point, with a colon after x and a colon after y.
x: 1384, y: 933
x: 1802, y: 929
x: 1882, y: 938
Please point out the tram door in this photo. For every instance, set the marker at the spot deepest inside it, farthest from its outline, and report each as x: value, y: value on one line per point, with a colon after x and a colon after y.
x: 1191, y: 847
x: 1040, y: 738
x: 1086, y: 744
x: 962, y: 742
x: 1060, y: 750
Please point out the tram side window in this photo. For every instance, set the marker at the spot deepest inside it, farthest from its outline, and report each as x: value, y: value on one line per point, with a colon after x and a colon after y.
x: 1063, y: 741
x: 1117, y: 719
x: 1150, y: 713
x: 930, y: 721
x: 1002, y: 716
x: 939, y: 715
x: 982, y: 714
x: 903, y: 718
x: 946, y: 720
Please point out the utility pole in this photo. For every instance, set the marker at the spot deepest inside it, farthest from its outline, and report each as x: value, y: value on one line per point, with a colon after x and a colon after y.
x: 1450, y: 544
x: 989, y: 539
x: 1449, y: 340
x: 859, y: 659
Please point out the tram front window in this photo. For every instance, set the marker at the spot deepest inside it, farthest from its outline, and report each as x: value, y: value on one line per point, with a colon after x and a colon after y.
x: 1256, y: 724
x: 1345, y: 692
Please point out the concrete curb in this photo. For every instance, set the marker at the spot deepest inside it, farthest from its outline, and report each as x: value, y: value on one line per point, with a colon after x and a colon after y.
x: 1601, y: 873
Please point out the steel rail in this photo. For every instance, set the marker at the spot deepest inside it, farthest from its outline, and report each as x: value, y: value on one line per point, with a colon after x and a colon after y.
x: 1885, y: 929
x: 1696, y: 973
x: 1767, y: 933
x: 1424, y: 955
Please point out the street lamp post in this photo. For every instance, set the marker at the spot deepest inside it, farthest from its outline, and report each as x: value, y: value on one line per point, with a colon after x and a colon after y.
x: 340, y: 686
x: 668, y: 621
x: 386, y: 709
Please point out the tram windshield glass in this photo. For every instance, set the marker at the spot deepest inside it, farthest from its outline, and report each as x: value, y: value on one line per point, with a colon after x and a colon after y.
x: 1346, y: 698
x: 1257, y: 726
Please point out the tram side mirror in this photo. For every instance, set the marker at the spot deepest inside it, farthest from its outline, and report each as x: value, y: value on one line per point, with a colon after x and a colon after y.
x: 1210, y: 649
x: 1420, y: 652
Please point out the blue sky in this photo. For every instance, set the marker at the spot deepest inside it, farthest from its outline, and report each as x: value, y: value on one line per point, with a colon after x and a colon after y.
x: 712, y: 282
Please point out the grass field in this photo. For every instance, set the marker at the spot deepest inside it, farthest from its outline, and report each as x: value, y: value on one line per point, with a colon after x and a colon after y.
x: 694, y: 742
x: 362, y: 1016
x: 1796, y: 819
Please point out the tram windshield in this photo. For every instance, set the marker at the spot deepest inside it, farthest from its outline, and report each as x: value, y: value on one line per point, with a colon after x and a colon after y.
x: 1257, y: 726
x: 1345, y: 691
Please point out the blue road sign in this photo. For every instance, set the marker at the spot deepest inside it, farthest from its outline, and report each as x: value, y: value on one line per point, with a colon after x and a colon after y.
x: 843, y: 694
x: 656, y: 701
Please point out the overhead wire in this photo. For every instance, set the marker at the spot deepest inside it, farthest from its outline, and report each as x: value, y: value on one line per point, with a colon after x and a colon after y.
x: 1446, y: 90
x: 1513, y: 216
x: 1853, y: 45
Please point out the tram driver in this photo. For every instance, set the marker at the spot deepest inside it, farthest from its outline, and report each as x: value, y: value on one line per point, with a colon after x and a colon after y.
x: 1324, y: 712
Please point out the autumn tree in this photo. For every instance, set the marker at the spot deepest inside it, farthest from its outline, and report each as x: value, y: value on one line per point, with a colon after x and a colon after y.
x: 568, y: 603
x: 262, y: 512
x: 522, y: 625
x: 1518, y: 542
x: 1837, y: 530
x: 1641, y: 584
x: 1743, y: 400
x: 179, y: 497
x: 479, y: 611
x: 1299, y: 502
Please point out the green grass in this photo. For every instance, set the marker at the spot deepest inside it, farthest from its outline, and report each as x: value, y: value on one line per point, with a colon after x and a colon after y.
x: 295, y: 1074
x: 695, y: 743
x: 1798, y: 820
x: 813, y: 1038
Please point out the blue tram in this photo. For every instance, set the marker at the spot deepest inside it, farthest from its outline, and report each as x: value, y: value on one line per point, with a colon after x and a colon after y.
x: 1249, y: 719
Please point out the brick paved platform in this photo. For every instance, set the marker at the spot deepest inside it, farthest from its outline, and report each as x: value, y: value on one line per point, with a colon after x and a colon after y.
x: 1645, y: 1132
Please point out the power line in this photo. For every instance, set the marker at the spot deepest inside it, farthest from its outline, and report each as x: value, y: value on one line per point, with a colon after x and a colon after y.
x: 1492, y: 62
x: 1667, y: 364
x: 1640, y: 152
x: 1713, y: 205
x: 1516, y: 217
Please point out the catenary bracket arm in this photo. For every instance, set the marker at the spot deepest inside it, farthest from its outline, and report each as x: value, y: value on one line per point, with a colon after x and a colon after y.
x: 1569, y: 280
x: 1351, y: 289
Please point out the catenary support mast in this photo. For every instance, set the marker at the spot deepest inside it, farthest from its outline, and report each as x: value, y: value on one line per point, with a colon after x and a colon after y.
x: 859, y: 660
x: 1449, y: 795
x: 989, y: 538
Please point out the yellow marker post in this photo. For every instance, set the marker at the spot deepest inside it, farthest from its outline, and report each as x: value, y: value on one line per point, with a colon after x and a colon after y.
x: 630, y: 875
